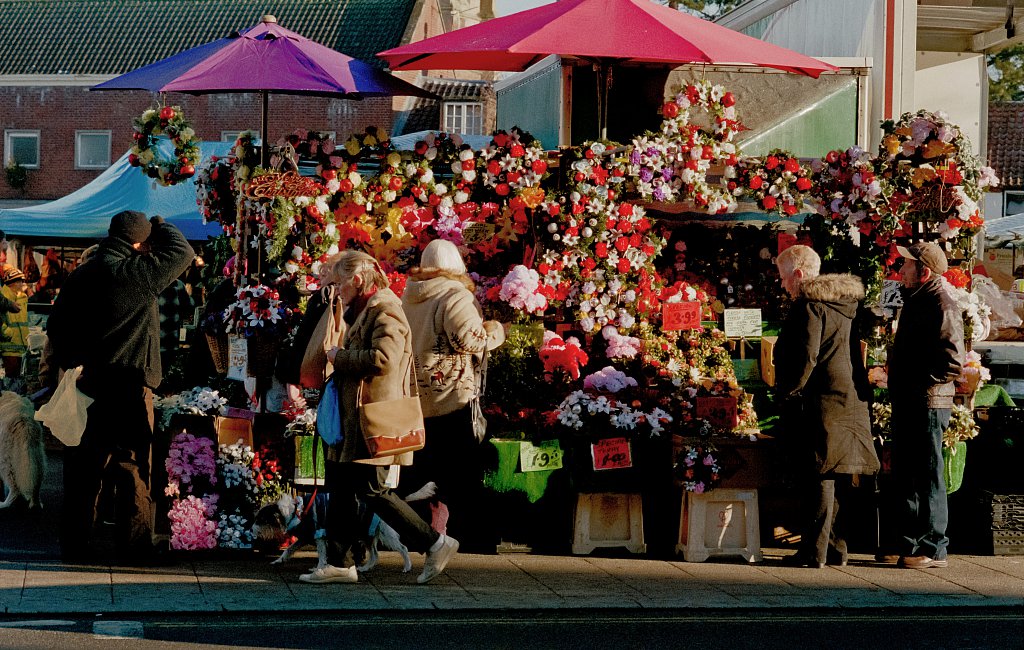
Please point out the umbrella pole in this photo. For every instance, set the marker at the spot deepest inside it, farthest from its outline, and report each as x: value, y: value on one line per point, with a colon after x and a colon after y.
x: 604, y: 83
x: 264, y: 126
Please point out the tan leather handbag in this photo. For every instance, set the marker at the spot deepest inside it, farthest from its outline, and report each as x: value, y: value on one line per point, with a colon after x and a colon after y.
x: 393, y: 426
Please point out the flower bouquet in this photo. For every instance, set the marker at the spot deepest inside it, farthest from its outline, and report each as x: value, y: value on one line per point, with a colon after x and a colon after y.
x: 258, y: 315
x: 697, y: 465
x: 779, y: 183
x: 962, y: 428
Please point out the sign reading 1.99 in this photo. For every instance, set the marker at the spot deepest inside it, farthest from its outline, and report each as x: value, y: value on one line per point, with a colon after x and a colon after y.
x: 611, y: 453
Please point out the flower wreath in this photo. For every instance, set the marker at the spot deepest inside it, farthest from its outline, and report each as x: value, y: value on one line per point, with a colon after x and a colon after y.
x: 591, y: 171
x: 171, y: 122
x: 698, y: 467
x: 779, y: 183
x: 513, y: 163
x: 674, y: 163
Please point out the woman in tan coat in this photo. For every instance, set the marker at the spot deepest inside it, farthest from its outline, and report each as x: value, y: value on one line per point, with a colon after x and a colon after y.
x: 376, y: 351
x: 449, y: 339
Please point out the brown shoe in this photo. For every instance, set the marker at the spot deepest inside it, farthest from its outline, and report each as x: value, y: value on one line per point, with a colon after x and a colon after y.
x: 922, y: 562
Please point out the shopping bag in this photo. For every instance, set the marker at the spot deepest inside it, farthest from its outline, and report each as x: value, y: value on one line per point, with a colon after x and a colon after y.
x: 393, y: 426
x: 328, y: 415
x: 66, y: 412
x: 315, y: 368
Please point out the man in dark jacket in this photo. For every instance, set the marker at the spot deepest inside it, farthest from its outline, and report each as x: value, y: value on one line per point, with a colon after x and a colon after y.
x: 926, y: 357
x: 820, y: 378
x: 105, y: 319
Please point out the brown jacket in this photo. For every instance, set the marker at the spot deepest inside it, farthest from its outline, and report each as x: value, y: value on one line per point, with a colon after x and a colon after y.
x: 378, y: 353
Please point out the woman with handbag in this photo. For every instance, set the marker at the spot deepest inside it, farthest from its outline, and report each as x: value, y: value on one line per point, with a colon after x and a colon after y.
x: 372, y: 367
x: 450, y: 340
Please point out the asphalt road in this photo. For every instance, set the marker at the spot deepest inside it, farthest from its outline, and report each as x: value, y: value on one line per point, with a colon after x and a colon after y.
x: 965, y: 629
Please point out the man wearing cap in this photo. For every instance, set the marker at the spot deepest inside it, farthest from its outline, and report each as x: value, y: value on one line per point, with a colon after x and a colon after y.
x: 13, y: 325
x: 105, y: 319
x: 926, y: 357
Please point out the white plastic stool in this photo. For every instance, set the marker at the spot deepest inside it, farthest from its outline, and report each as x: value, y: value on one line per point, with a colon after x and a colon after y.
x: 719, y: 522
x: 608, y: 520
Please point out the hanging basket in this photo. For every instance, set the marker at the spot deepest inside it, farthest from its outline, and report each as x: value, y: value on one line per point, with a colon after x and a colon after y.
x: 262, y: 355
x: 954, y: 460
x: 218, y: 351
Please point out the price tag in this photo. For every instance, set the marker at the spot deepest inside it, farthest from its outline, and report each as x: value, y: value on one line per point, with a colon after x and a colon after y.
x: 476, y: 232
x: 743, y: 323
x: 537, y: 458
x: 238, y: 358
x: 721, y: 412
x: 891, y: 296
x: 680, y: 315
x: 611, y: 453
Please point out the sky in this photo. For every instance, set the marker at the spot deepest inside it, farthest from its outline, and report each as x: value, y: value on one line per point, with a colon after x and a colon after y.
x: 506, y: 7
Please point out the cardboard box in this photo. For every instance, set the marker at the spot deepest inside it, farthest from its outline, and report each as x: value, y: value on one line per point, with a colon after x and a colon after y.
x: 767, y: 365
x: 999, y: 264
x: 231, y: 430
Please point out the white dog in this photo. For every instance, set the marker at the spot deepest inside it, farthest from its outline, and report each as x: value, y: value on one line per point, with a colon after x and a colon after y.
x: 22, y: 453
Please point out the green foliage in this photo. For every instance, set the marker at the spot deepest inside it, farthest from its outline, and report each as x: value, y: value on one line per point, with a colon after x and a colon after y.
x: 216, y: 253
x: 1006, y: 75
x: 17, y: 175
x: 703, y: 8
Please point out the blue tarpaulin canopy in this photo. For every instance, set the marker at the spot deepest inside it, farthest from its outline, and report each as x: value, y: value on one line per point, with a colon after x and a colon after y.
x: 86, y: 212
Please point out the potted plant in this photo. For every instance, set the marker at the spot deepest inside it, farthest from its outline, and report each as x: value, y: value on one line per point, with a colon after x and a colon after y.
x: 17, y: 175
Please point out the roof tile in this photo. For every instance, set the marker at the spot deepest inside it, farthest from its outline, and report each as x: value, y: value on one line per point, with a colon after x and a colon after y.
x: 1006, y: 142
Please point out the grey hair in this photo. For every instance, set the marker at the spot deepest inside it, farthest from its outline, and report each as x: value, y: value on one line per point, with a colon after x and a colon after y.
x: 351, y: 263
x: 800, y: 257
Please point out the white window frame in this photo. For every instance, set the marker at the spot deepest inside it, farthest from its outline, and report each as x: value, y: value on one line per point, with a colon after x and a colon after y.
x: 462, y: 106
x: 1018, y: 197
x: 21, y: 133
x: 78, y: 148
x: 231, y: 136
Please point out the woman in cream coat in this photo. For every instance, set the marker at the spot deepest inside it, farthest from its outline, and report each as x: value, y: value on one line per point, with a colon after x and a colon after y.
x: 449, y: 338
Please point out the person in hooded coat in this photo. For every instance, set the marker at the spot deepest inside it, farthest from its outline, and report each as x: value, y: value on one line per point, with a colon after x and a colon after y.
x: 822, y: 385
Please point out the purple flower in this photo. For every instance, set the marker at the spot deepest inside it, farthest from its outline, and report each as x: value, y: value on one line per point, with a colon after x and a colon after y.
x: 659, y: 193
x: 646, y: 175
x: 634, y: 157
x: 666, y: 173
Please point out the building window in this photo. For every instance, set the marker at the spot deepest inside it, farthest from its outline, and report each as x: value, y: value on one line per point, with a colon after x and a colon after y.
x: 231, y: 136
x: 464, y: 118
x: 22, y: 147
x: 1013, y: 203
x: 92, y: 149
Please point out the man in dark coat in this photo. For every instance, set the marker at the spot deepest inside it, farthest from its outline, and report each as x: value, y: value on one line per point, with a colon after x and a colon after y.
x: 105, y: 319
x: 927, y: 355
x: 820, y: 378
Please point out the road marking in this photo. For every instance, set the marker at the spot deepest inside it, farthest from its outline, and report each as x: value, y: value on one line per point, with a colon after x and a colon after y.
x: 42, y: 623
x: 117, y: 629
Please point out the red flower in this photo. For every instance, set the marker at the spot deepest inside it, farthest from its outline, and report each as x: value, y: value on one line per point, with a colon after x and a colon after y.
x: 769, y: 202
x: 792, y: 165
x: 517, y: 151
x: 670, y: 109
x: 601, y: 249
x: 756, y: 182
x: 803, y: 184
x: 728, y: 99
x: 623, y: 266
x: 771, y: 162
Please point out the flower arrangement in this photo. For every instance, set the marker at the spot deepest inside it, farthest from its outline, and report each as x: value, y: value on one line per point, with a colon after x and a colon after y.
x: 973, y: 375
x: 563, y: 356
x: 974, y: 310
x: 593, y: 170
x: 201, y: 400
x: 779, y: 183
x: 214, y: 195
x: 192, y: 524
x: 512, y: 163
x: 608, y: 380
x: 586, y: 413
x: 697, y: 466
x: 957, y: 277
x: 257, y: 309
x: 191, y: 465
x: 881, y: 421
x: 168, y: 121
x: 962, y: 427
x: 521, y: 289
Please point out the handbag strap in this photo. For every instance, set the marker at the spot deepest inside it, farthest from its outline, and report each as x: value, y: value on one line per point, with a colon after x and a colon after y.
x: 413, y: 382
x: 481, y: 376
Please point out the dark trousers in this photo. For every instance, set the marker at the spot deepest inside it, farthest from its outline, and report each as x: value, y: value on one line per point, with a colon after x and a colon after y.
x: 917, y: 476
x: 352, y: 483
x: 116, y: 446
x: 450, y: 459
x: 824, y: 528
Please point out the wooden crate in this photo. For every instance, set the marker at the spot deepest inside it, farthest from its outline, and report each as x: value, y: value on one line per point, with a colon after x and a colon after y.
x: 767, y: 365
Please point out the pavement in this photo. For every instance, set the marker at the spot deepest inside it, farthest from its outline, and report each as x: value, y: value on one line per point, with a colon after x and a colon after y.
x: 34, y: 583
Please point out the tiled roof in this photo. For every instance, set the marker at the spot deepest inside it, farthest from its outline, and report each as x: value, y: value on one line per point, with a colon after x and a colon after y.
x: 1006, y: 142
x: 116, y: 36
x: 425, y: 114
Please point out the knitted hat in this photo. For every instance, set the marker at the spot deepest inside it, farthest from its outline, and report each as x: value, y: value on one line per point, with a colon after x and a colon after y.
x: 131, y: 226
x: 927, y: 253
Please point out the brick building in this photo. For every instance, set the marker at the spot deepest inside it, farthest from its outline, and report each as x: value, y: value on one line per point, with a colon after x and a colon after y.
x: 53, y: 51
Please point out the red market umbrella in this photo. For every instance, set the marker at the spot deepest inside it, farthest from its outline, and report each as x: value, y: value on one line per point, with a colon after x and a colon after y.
x: 266, y: 58
x: 599, y: 32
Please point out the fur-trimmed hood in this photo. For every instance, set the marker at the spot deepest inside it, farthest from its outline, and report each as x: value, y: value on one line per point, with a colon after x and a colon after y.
x: 841, y: 291
x: 425, y: 285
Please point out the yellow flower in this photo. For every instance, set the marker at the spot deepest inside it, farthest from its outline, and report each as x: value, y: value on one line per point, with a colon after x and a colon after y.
x: 394, y: 159
x: 353, y: 147
x: 891, y: 144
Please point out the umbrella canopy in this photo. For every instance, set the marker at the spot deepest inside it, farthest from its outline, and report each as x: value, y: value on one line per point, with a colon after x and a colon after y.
x: 596, y: 31
x: 266, y: 58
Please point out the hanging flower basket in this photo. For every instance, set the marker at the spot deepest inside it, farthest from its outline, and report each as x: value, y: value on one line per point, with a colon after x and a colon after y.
x: 262, y: 354
x: 218, y: 351
x: 954, y: 460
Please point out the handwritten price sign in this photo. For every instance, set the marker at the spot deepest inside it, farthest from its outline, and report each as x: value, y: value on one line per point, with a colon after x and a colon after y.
x: 611, y: 453
x: 238, y: 358
x: 537, y: 458
x: 680, y: 315
x: 476, y: 232
x: 721, y: 412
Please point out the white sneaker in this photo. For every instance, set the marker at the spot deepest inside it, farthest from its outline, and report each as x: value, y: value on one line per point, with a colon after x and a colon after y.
x: 437, y: 560
x: 330, y: 573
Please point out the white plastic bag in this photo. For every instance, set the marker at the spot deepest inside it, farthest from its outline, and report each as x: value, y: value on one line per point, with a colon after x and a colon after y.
x: 65, y: 414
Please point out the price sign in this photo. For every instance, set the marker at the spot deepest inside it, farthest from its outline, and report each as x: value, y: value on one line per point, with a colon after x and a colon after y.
x: 537, y: 458
x: 786, y: 239
x: 891, y: 296
x: 611, y: 453
x: 238, y: 358
x: 721, y: 412
x: 743, y: 323
x: 680, y: 315
x: 475, y: 233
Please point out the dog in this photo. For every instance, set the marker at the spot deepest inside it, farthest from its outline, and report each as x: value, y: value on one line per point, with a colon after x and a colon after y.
x: 278, y: 522
x: 22, y: 452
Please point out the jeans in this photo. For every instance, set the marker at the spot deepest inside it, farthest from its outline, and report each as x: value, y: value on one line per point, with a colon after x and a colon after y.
x: 917, y: 474
x: 117, y: 445
x: 352, y: 483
